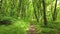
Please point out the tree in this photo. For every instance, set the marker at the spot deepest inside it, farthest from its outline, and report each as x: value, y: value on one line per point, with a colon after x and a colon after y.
x: 1, y: 5
x: 44, y: 12
x: 36, y: 6
x: 55, y: 13
x: 19, y: 8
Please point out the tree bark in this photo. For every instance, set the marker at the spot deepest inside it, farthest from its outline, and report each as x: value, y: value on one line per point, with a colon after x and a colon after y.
x: 36, y: 13
x: 1, y: 6
x: 0, y: 3
x: 44, y: 12
x: 55, y: 13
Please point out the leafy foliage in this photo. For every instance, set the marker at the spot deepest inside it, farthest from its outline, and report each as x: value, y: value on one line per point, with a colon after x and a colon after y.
x: 17, y: 15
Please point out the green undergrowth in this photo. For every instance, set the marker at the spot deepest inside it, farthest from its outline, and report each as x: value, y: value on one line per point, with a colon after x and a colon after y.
x: 52, y: 28
x: 17, y: 27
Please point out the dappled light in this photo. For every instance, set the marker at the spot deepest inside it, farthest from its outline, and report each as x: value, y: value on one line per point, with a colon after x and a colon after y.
x: 29, y: 16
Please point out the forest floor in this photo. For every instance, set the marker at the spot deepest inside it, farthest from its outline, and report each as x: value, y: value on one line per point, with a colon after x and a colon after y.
x: 21, y: 27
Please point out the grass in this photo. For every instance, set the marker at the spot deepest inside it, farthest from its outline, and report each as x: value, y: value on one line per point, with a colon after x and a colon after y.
x: 21, y: 27
x: 52, y: 28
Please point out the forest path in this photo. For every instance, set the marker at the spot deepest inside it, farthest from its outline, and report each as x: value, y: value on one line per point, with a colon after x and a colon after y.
x: 32, y: 29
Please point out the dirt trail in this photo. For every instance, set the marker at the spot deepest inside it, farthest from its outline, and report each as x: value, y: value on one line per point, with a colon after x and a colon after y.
x: 32, y: 29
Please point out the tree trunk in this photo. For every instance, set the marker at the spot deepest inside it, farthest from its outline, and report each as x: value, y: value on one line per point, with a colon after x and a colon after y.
x: 44, y: 11
x: 36, y: 15
x: 1, y: 5
x: 19, y: 8
x: 55, y: 13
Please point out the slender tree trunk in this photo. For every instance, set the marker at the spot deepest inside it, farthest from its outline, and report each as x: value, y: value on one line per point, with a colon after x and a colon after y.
x: 39, y: 9
x: 1, y: 5
x: 44, y: 9
x: 55, y: 13
x: 36, y: 15
x: 12, y: 8
x: 19, y: 8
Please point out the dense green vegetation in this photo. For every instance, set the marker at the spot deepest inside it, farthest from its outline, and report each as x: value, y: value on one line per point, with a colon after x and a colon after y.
x: 16, y: 16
